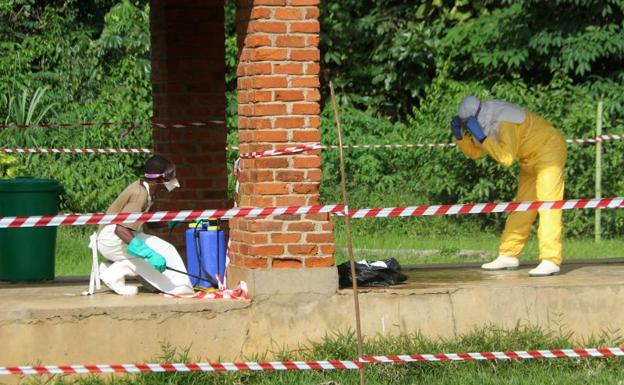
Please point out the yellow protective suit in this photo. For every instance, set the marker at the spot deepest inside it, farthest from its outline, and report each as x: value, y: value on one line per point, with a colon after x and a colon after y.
x: 541, y: 151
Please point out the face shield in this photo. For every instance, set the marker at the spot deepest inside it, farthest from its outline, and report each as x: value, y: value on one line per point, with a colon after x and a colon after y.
x: 170, y: 183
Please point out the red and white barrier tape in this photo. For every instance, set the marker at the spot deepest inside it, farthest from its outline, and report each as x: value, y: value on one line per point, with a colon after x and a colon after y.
x: 61, y: 125
x: 492, y: 356
x: 180, y: 367
x: 387, y: 212
x: 257, y: 154
x: 318, y: 146
x: 311, y: 365
x: 75, y: 151
x: 284, y: 151
x: 207, y: 123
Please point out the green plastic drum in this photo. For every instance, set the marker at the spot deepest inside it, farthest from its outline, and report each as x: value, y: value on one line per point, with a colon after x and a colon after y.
x: 27, y: 254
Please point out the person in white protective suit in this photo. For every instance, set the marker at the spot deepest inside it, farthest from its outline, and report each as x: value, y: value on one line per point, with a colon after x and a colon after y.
x: 506, y: 133
x: 131, y: 252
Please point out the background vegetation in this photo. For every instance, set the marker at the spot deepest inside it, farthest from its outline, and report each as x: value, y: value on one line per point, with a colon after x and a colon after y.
x: 400, y: 68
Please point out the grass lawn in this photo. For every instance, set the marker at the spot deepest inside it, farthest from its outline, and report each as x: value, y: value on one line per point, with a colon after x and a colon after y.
x: 481, y: 247
x: 342, y: 346
x: 73, y: 257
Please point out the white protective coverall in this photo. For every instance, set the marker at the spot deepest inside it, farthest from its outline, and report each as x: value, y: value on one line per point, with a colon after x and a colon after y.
x: 125, y: 264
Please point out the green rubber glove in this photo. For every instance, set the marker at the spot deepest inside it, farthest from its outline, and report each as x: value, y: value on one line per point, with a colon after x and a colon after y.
x: 173, y: 224
x: 138, y: 248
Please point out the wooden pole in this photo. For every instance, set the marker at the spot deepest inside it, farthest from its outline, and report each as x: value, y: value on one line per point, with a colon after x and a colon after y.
x: 598, y: 181
x: 345, y: 200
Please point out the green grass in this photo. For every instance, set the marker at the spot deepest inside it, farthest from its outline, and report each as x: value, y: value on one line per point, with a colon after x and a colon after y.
x: 73, y: 257
x: 448, y: 247
x: 343, y: 346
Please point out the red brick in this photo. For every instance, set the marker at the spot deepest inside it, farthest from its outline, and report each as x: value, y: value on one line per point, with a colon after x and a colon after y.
x: 289, y: 13
x: 273, y: 162
x: 265, y: 225
x: 263, y: 175
x: 308, y: 81
x: 259, y: 201
x: 321, y: 217
x: 269, y: 250
x: 257, y: 69
x: 260, y: 13
x: 272, y: 136
x: 288, y: 68
x: 313, y: 96
x: 303, y: 249
x: 305, y: 188
x: 266, y: 2
x: 309, y: 54
x: 265, y: 188
x: 306, y: 109
x: 303, y: 2
x: 245, y: 109
x: 328, y: 226
x: 258, y: 41
x: 264, y: 109
x: 268, y: 27
x: 306, y: 136
x: 259, y: 54
x: 257, y: 123
x: 328, y: 249
x: 291, y: 41
x: 312, y: 69
x: 291, y: 200
x: 307, y: 162
x: 305, y: 27
x: 270, y: 82
x: 301, y: 226
x: 259, y: 96
x: 314, y: 175
x: 285, y: 237
x: 254, y: 263
x: 286, y: 263
x: 313, y: 122
x: 320, y: 238
x: 289, y: 96
x: 289, y: 176
x: 290, y: 122
x: 253, y: 238
x: 319, y: 262
x: 312, y: 13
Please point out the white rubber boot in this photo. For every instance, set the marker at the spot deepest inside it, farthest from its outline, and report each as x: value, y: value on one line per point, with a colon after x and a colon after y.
x: 544, y: 269
x: 503, y: 262
x: 116, y: 280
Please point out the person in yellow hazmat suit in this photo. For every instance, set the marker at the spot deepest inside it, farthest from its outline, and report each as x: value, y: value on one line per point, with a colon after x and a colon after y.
x: 507, y: 132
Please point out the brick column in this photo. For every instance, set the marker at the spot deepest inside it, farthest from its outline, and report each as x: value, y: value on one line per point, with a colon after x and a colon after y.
x: 188, y: 76
x: 278, y: 94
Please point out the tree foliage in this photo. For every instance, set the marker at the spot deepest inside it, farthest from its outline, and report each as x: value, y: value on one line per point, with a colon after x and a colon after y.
x: 400, y: 68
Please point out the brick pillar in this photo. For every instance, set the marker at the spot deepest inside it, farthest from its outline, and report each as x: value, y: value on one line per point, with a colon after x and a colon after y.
x: 188, y: 76
x: 278, y: 94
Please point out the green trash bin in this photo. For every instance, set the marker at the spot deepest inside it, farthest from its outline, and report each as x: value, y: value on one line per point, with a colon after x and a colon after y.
x: 27, y: 254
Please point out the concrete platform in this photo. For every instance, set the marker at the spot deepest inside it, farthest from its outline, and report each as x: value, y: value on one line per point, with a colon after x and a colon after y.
x: 53, y: 324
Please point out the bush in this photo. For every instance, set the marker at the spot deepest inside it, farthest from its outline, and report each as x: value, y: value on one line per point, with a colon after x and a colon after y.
x: 439, y: 176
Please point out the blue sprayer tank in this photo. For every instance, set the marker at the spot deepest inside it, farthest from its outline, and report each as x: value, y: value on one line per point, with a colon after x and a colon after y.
x: 205, y: 252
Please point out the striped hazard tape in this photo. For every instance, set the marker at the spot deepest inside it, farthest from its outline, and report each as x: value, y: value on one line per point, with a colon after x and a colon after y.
x: 311, y: 365
x: 75, y: 151
x: 492, y: 356
x: 180, y: 367
x: 387, y: 212
x: 207, y: 123
x: 260, y: 154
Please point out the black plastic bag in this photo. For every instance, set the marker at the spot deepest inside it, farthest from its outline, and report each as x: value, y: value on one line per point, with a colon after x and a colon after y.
x: 371, y: 275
